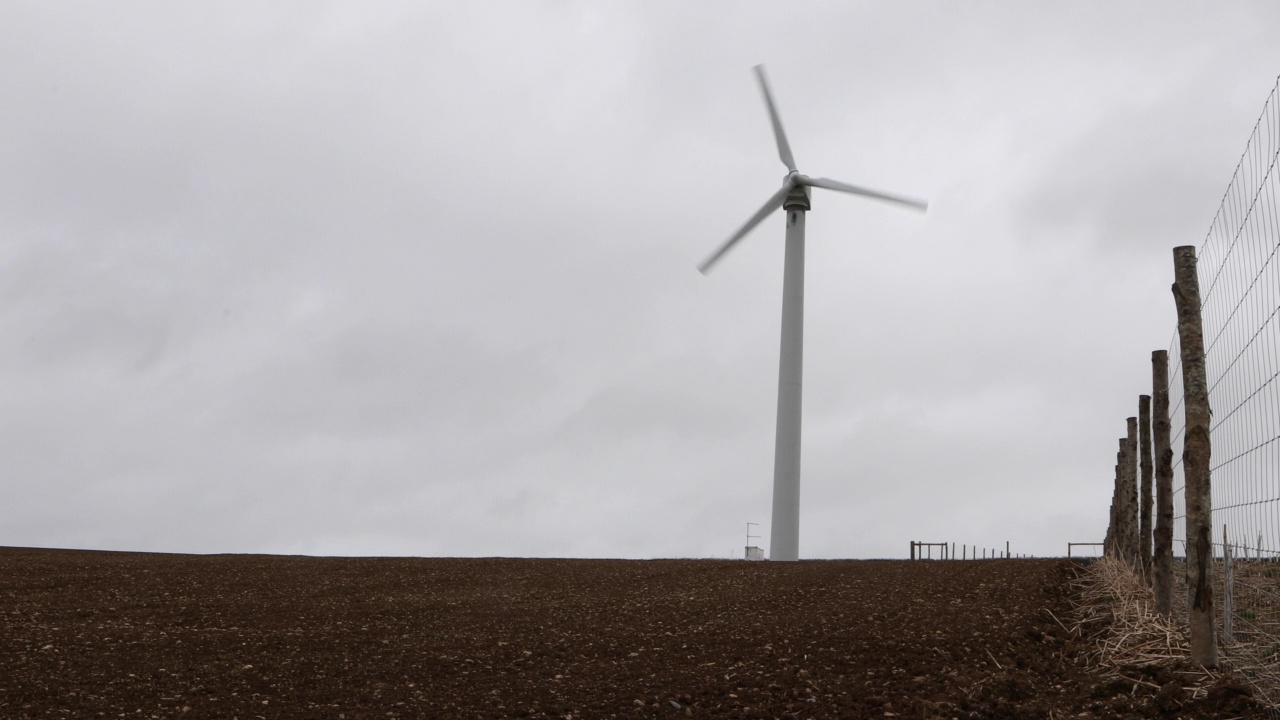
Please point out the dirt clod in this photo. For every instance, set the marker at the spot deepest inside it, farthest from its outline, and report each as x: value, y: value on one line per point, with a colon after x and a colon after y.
x: 1171, y: 698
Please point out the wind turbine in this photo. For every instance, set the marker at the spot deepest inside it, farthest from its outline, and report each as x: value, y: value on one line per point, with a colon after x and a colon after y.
x: 793, y: 197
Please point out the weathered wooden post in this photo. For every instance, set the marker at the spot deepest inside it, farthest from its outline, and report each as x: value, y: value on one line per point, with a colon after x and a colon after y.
x: 913, y: 549
x: 1144, y: 492
x: 1163, y: 551
x: 1131, y: 492
x: 1122, y: 503
x: 1228, y: 592
x: 1114, y: 532
x: 1111, y: 526
x: 1195, y: 457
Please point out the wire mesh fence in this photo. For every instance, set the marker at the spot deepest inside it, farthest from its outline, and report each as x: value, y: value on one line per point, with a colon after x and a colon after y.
x: 1239, y: 274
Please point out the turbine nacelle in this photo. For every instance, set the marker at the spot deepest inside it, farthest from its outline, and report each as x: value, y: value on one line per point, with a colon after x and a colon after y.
x: 798, y: 198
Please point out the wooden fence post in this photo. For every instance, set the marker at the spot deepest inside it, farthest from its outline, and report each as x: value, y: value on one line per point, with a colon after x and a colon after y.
x: 1122, y: 527
x: 1111, y: 523
x: 1163, y: 551
x: 1106, y: 539
x: 1114, y: 532
x: 1131, y: 492
x: 1144, y: 492
x: 1195, y: 457
x: 1228, y: 592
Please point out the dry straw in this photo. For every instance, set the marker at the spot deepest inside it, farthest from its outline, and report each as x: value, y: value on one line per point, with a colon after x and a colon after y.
x: 1116, y: 610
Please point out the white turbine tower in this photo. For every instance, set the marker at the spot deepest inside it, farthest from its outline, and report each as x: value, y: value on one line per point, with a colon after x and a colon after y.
x: 793, y: 197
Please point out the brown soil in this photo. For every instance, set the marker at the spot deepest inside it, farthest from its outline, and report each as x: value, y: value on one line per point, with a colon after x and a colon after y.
x: 95, y: 634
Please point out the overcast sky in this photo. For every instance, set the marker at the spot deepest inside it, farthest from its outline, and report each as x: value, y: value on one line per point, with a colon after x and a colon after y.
x: 419, y: 278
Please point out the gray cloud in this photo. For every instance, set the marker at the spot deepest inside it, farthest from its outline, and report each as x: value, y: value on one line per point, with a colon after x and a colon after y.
x: 420, y: 279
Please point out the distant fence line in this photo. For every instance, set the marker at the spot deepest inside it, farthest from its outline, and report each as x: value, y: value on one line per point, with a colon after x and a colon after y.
x: 947, y: 551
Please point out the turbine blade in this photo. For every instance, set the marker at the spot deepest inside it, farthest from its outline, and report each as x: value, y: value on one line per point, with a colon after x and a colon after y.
x: 784, y: 148
x: 829, y: 184
x: 772, y: 204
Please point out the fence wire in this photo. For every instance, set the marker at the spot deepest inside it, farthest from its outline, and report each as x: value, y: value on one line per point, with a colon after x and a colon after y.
x: 1240, y: 301
x: 1239, y: 274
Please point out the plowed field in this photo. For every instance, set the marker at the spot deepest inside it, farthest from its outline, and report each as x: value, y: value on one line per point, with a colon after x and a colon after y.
x: 94, y: 634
